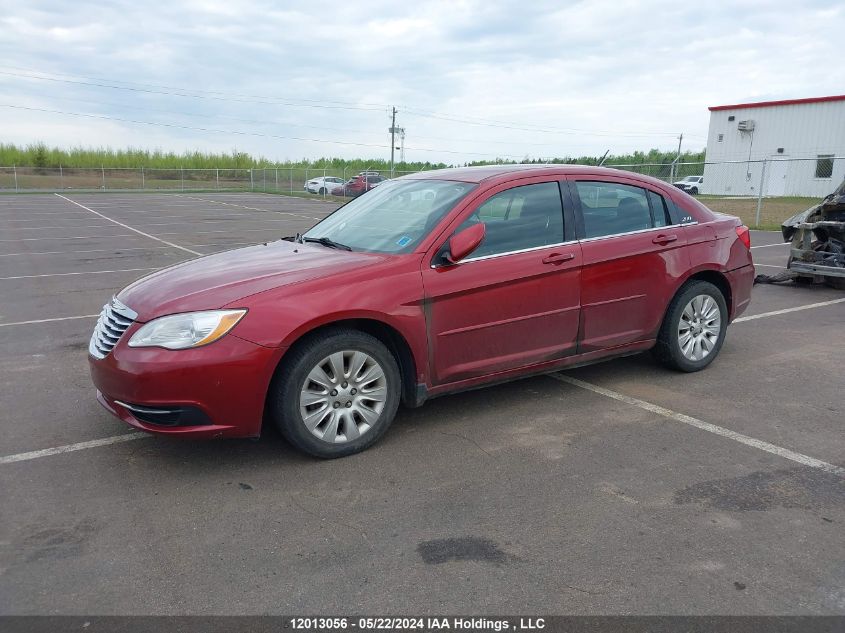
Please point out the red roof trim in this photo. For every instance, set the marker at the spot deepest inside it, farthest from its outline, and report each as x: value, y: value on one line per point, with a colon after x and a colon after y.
x: 769, y: 104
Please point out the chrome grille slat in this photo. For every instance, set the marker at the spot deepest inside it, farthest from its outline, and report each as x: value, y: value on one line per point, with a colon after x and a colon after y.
x: 113, y: 321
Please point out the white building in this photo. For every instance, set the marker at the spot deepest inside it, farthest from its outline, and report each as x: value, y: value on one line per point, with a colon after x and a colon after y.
x: 794, y: 147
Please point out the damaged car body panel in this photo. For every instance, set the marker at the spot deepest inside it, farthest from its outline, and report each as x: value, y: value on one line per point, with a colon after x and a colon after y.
x: 818, y: 240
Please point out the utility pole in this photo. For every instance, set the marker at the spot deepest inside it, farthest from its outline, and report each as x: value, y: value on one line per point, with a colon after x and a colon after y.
x: 392, y: 138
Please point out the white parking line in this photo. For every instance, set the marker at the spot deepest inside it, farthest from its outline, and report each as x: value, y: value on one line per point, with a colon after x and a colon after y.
x: 67, y: 448
x: 120, y: 250
x: 768, y: 266
x: 232, y: 204
x: 809, y: 306
x: 84, y: 272
x: 768, y: 245
x: 70, y: 318
x: 126, y: 226
x: 800, y: 458
x: 70, y: 237
x: 235, y: 230
x: 57, y: 228
x: 93, y: 250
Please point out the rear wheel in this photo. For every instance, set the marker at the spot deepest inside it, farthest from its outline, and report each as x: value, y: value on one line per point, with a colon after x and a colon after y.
x: 337, y: 394
x: 693, y: 329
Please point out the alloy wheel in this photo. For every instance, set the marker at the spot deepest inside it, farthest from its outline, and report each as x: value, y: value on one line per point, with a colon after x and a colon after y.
x: 343, y: 396
x: 699, y: 327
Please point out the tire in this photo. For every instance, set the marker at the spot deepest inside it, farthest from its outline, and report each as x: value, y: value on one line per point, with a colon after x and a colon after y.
x: 694, y: 191
x: 709, y: 302
x: 322, y: 191
x: 298, y: 402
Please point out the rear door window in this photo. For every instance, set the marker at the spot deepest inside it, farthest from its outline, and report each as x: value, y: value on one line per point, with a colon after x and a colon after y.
x: 610, y: 208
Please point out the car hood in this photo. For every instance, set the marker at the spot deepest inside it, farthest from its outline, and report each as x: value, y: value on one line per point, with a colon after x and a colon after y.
x: 211, y: 282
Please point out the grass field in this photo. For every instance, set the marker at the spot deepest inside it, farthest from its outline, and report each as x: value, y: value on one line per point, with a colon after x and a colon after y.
x: 773, y: 211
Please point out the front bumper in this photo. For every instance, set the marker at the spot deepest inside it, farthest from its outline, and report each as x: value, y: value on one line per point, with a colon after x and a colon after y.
x: 213, y: 391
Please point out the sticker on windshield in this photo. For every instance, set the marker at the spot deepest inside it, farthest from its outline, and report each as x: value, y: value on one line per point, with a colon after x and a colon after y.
x: 403, y: 241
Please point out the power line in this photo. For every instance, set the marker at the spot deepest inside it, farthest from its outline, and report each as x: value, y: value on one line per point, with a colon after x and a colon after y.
x: 512, y: 143
x: 195, y: 90
x: 241, y: 133
x: 528, y: 128
x: 204, y: 114
x: 320, y: 104
x: 183, y: 93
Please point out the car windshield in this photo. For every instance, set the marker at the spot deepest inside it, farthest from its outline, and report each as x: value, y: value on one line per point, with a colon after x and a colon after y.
x: 692, y: 178
x: 393, y: 217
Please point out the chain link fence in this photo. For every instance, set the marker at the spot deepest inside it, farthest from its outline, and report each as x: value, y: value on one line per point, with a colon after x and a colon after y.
x: 761, y: 192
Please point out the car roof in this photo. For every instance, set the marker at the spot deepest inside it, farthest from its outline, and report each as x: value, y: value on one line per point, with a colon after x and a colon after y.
x: 486, y: 173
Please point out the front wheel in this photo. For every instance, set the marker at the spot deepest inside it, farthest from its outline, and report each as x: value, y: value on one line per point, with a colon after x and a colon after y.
x: 337, y: 394
x: 322, y: 191
x: 694, y: 191
x: 693, y: 329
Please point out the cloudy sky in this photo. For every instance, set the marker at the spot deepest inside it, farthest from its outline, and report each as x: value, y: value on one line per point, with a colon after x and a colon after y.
x: 470, y: 80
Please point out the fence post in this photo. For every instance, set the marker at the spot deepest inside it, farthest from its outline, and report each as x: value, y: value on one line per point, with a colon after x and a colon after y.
x: 264, y: 178
x: 15, y: 171
x: 760, y: 194
x: 325, y: 187
x: 143, y: 179
x: 61, y: 177
x: 251, y: 181
x: 277, y: 178
x: 291, y: 179
x: 103, y: 169
x: 182, y: 177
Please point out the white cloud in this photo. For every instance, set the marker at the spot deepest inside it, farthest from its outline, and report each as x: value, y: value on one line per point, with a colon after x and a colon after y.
x: 609, y: 71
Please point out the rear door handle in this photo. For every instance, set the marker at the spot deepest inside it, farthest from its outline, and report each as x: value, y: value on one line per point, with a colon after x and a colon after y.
x: 664, y: 239
x: 558, y: 258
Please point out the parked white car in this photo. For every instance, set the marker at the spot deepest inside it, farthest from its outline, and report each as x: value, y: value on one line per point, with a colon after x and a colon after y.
x: 323, y: 184
x: 691, y: 184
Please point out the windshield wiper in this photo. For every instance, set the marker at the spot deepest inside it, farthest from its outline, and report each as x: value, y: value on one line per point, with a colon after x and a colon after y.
x: 325, y: 241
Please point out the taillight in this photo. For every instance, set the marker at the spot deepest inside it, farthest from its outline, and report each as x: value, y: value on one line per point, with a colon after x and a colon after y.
x: 744, y: 235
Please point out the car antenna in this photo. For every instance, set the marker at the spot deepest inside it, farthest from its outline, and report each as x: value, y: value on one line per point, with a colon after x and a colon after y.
x: 604, y: 158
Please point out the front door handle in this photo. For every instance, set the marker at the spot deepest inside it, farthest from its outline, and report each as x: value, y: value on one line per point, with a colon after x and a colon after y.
x: 558, y: 258
x: 664, y: 239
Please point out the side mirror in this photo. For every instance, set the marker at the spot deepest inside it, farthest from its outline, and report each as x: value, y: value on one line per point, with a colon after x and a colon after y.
x: 463, y: 243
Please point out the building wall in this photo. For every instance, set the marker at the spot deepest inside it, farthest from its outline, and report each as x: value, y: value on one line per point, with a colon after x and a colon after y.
x: 804, y: 131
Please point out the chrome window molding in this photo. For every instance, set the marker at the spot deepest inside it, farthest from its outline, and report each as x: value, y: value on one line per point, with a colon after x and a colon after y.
x: 656, y: 228
x: 481, y: 258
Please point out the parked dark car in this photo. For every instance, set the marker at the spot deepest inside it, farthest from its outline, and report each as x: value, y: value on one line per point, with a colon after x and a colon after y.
x: 432, y: 283
x: 357, y: 185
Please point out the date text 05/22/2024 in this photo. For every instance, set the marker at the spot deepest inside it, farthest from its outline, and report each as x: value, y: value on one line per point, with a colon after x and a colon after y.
x: 417, y: 624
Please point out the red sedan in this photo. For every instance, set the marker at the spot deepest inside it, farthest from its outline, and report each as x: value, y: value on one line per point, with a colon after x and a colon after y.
x: 356, y: 186
x: 429, y: 284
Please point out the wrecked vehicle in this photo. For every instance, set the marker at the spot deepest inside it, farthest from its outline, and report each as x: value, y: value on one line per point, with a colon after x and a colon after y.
x: 817, y: 254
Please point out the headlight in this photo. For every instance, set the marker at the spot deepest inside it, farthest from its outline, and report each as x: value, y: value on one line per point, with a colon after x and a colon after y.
x: 182, y: 331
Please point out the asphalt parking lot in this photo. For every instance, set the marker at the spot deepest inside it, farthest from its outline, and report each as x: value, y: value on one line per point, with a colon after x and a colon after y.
x: 622, y: 488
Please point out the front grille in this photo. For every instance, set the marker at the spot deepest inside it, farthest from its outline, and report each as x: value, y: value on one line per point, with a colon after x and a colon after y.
x: 113, y: 321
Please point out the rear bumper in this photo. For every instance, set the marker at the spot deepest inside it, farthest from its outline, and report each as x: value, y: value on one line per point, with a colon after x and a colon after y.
x: 208, y: 392
x: 741, y: 281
